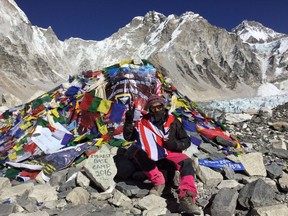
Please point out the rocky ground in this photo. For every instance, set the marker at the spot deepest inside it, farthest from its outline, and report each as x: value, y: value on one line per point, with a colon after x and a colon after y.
x: 259, y: 190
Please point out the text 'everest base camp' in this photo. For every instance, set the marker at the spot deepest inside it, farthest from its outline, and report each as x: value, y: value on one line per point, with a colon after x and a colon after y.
x: 64, y: 152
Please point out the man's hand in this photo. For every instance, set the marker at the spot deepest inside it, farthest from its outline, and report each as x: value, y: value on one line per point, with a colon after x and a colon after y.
x: 129, y: 115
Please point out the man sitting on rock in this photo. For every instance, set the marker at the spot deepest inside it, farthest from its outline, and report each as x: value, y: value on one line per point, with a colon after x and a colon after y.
x: 161, y: 136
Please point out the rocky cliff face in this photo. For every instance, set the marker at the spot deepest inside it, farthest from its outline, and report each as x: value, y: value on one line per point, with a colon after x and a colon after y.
x: 203, y: 61
x: 270, y: 48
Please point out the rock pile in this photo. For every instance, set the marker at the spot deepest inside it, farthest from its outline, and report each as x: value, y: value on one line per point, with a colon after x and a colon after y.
x: 261, y: 189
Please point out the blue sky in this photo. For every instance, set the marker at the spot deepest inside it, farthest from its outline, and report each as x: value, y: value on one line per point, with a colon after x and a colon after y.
x: 98, y: 19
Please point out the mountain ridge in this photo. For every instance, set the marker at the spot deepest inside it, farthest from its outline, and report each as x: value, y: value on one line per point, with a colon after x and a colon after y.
x: 204, y: 61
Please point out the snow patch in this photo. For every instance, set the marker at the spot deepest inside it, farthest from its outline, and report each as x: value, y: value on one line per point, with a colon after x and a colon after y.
x: 268, y: 89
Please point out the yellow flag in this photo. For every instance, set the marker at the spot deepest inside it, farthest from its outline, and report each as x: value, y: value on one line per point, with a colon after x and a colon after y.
x: 29, y: 118
x: 128, y: 61
x: 180, y: 104
x: 101, y: 126
x: 238, y: 145
x: 26, y: 125
x: 55, y: 113
x: 12, y: 156
x: 104, y: 106
x: 161, y: 77
x: 126, y: 143
x: 17, y: 147
x: 79, y: 138
x: 78, y: 96
x: 99, y: 142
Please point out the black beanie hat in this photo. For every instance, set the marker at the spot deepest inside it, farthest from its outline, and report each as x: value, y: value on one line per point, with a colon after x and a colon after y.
x: 155, y: 99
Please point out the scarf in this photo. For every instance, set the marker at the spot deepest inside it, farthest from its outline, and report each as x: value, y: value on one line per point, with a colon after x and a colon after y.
x: 151, y: 138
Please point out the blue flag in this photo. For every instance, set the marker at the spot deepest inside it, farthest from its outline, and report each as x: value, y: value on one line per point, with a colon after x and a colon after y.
x: 220, y: 163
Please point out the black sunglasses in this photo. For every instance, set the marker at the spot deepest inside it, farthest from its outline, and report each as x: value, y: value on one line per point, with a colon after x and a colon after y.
x: 158, y: 107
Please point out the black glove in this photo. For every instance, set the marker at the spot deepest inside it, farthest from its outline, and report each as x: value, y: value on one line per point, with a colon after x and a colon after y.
x: 174, y: 145
x: 129, y: 115
x: 169, y: 144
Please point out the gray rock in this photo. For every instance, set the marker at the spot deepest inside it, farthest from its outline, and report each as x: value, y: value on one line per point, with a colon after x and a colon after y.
x: 224, y: 203
x: 283, y: 183
x: 7, y: 209
x: 228, y: 172
x: 131, y: 189
x: 135, y: 211
x: 99, y: 203
x: 217, y: 155
x: 230, y: 184
x: 12, y: 192
x: 72, y: 171
x: 209, y: 148
x: 208, y: 176
x: 281, y: 153
x: 224, y: 142
x: 240, y: 177
x: 281, y: 198
x: 80, y: 210
x: 265, y: 112
x: 155, y: 211
x: 109, y: 210
x: 202, y: 155
x: 202, y: 202
x: 151, y: 202
x: 101, y: 196
x: 52, y: 211
x: 279, y: 210
x: 78, y: 196
x: 63, y: 194
x: 50, y: 204
x: 4, y: 183
x: 29, y: 204
x: 37, y: 213
x: 120, y: 199
x: 44, y: 193
x: 58, y: 178
x: 256, y: 194
x: 82, y: 180
x: 277, y: 144
x: 253, y: 164
x: 273, y: 171
x: 67, y: 186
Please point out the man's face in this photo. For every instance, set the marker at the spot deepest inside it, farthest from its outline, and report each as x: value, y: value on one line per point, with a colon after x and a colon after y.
x: 156, y: 107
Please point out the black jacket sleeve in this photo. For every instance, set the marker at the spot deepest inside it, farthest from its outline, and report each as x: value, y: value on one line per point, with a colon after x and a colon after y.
x: 178, y: 140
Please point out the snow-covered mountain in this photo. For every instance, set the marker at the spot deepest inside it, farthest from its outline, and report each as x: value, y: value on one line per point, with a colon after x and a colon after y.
x: 271, y: 49
x: 203, y: 61
x: 254, y: 32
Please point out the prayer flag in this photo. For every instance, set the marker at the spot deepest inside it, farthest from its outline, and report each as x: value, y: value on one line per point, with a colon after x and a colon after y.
x: 90, y: 102
x: 101, y: 126
x: 117, y: 112
x: 188, y: 125
x: 104, y: 106
x: 71, y: 91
